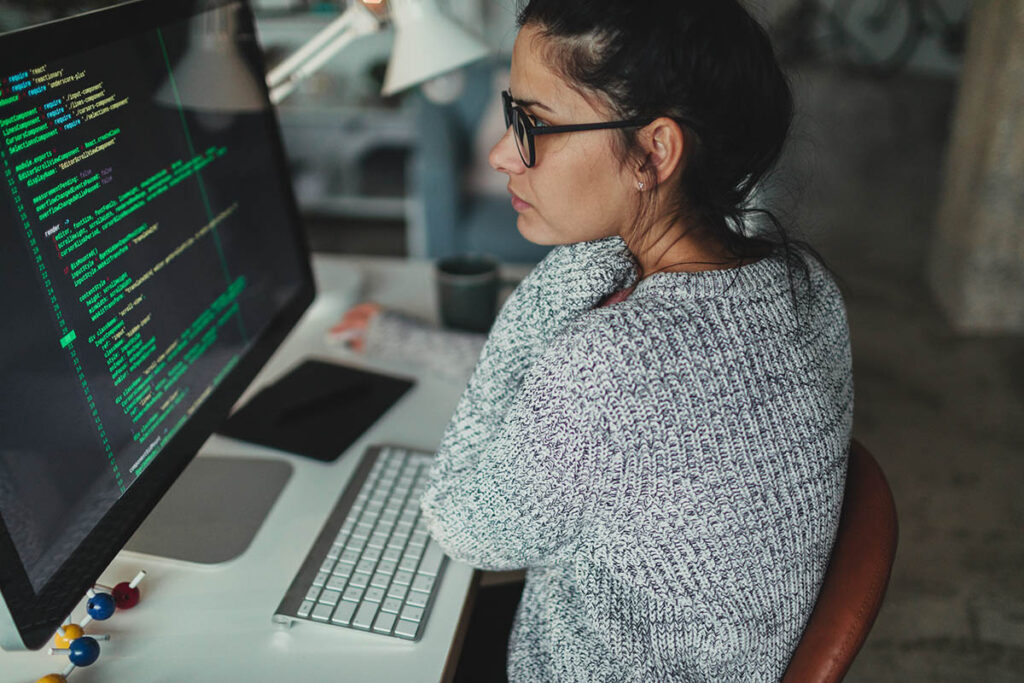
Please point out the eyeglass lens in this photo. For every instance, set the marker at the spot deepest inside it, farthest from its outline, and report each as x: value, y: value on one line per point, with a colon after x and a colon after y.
x: 523, y: 138
x: 516, y: 119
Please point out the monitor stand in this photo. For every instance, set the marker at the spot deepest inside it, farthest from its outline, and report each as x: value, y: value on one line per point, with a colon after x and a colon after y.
x: 214, y: 509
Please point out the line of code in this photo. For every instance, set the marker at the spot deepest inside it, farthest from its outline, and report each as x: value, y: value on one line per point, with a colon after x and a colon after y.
x: 17, y: 84
x: 99, y: 224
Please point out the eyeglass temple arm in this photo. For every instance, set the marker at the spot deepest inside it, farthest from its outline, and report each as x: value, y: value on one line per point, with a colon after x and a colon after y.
x: 546, y: 130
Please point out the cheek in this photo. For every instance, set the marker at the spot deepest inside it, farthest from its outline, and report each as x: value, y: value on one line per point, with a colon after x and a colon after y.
x: 578, y: 195
x: 571, y: 212
x: 592, y: 190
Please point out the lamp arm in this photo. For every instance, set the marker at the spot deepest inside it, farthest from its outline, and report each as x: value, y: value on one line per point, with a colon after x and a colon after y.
x: 353, y: 23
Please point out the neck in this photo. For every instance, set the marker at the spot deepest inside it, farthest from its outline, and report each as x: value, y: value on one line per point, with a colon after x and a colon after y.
x: 677, y: 247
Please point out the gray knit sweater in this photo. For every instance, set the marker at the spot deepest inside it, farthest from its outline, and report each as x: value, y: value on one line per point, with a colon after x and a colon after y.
x: 669, y: 469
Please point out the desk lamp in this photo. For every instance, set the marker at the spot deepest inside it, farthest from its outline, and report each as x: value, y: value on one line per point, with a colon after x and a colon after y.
x: 427, y: 44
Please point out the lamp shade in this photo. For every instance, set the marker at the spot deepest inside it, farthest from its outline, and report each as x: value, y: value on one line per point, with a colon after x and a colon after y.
x: 211, y: 76
x: 427, y: 44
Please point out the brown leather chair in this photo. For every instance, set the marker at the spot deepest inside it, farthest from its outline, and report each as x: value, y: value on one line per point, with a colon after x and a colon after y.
x: 857, y: 576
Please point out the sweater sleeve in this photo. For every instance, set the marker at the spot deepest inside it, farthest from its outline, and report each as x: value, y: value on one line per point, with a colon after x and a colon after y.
x: 511, y: 491
x: 570, y: 281
x: 505, y: 489
x: 442, y: 352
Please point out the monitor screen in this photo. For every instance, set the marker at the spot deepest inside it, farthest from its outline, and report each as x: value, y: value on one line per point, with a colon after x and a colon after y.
x: 151, y: 260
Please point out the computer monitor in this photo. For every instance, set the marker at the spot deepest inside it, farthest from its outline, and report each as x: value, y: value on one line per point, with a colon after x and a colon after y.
x: 151, y: 260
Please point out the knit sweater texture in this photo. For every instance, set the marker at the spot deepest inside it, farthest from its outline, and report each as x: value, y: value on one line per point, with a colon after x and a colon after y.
x: 669, y: 469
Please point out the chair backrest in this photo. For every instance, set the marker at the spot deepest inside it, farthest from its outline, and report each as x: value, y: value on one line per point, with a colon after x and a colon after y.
x: 856, y: 579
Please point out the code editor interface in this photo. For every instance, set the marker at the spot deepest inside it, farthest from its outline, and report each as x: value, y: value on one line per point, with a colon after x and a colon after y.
x: 146, y: 241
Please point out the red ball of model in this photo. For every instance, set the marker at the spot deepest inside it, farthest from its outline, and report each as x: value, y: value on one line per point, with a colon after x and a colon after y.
x: 125, y: 595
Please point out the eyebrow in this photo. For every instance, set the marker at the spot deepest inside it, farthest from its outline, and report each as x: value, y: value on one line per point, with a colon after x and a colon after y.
x: 531, y: 103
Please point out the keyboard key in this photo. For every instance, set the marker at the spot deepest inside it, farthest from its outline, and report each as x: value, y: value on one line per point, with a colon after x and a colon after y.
x: 313, y: 593
x: 412, y: 613
x: 329, y: 597
x: 352, y: 593
x: 385, y: 622
x: 321, y: 578
x: 432, y: 559
x: 322, y: 612
x: 409, y: 564
x: 366, y: 566
x: 397, y: 591
x: 337, y: 583
x: 307, y: 606
x: 380, y: 580
x: 350, y: 556
x: 364, y: 617
x: 392, y: 554
x: 417, y: 599
x: 387, y: 567
x: 373, y: 594
x: 393, y: 605
x: 359, y: 580
x: 342, y: 571
x: 406, y: 629
x: 343, y: 615
x: 423, y: 583
x: 371, y: 554
x: 403, y: 577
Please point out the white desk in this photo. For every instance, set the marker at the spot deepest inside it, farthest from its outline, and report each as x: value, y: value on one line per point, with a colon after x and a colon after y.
x: 213, y: 622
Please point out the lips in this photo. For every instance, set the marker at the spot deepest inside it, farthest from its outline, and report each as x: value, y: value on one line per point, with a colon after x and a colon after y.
x: 518, y: 203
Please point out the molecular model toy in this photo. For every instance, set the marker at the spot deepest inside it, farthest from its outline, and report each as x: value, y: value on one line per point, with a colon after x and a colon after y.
x: 83, y: 650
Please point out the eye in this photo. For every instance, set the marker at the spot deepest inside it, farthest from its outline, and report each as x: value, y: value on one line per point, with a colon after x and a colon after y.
x: 534, y: 121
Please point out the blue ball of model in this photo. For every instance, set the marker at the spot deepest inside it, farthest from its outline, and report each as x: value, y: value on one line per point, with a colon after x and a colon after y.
x: 100, y: 606
x: 83, y: 651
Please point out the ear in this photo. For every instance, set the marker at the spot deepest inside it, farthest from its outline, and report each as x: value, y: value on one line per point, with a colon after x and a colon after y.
x: 664, y: 142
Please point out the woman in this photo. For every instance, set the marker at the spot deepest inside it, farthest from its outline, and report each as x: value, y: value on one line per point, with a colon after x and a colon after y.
x: 658, y: 424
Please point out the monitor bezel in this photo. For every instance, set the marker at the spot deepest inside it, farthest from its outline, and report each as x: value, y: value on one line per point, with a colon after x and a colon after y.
x: 30, y: 47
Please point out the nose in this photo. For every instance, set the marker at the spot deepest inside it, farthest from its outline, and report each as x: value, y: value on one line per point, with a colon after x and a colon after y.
x: 504, y: 156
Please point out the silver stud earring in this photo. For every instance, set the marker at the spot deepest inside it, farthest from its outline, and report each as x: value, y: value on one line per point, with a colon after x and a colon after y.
x: 640, y: 185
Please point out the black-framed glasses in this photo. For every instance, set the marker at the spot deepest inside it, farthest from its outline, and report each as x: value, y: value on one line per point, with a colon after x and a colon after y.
x: 524, y: 128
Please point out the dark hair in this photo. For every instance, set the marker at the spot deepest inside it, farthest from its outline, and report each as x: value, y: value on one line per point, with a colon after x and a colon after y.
x: 709, y: 66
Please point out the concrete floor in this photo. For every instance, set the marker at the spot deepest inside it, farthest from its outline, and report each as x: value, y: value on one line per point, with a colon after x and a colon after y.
x: 942, y: 413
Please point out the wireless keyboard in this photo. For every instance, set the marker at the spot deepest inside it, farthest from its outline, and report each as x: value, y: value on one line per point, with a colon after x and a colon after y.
x: 373, y: 567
